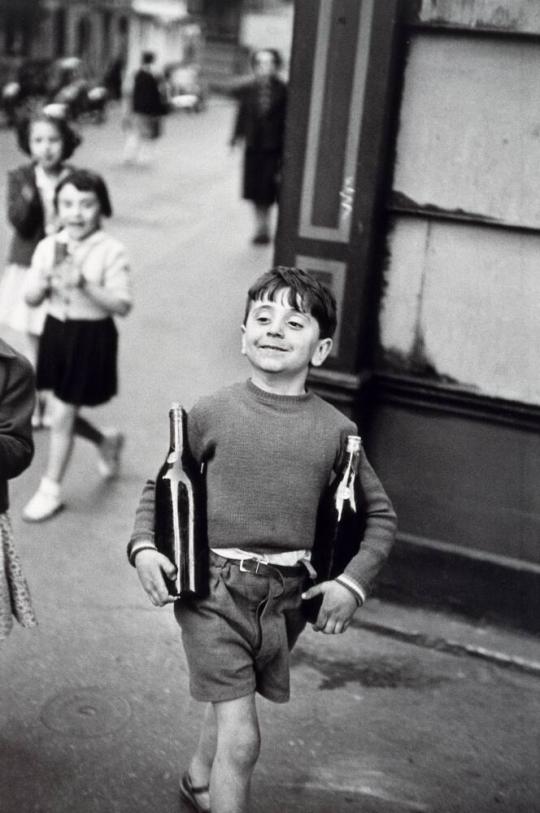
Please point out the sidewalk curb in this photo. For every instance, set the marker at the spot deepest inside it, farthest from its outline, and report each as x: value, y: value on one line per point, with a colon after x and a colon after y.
x: 427, y: 641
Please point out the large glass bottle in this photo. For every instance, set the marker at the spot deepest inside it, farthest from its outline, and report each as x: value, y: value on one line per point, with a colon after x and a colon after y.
x: 340, y: 523
x: 180, y: 512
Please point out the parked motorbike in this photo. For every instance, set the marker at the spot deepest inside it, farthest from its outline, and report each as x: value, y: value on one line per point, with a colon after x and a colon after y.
x: 186, y: 89
x: 79, y: 96
x: 10, y: 101
x: 61, y: 82
x: 24, y: 89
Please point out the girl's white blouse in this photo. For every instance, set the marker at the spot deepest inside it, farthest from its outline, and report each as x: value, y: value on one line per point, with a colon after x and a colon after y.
x: 101, y: 259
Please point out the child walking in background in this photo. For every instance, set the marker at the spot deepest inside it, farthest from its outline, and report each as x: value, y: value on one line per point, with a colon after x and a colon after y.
x: 50, y: 141
x: 269, y: 447
x: 83, y: 274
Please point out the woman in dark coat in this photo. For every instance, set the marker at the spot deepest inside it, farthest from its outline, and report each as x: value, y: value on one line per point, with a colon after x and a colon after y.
x: 260, y: 124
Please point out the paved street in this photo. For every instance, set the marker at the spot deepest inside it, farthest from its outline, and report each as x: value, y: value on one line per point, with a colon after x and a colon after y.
x: 95, y: 714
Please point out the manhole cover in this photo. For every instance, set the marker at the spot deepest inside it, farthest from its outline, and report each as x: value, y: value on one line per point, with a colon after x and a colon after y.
x: 85, y: 712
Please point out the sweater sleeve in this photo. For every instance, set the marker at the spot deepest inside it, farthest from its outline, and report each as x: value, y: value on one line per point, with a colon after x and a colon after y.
x: 380, y: 530
x: 143, y: 529
x: 240, y: 121
x: 117, y: 276
x: 25, y: 213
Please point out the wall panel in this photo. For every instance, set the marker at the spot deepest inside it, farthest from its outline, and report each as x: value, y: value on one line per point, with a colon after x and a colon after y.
x: 464, y: 302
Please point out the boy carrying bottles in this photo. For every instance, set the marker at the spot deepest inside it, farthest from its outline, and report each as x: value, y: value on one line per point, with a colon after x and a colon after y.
x: 269, y: 448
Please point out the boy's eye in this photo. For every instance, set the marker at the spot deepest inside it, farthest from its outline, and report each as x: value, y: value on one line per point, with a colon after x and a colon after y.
x: 295, y: 323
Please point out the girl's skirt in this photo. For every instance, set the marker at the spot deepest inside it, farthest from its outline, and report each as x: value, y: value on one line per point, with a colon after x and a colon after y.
x: 77, y: 360
x: 15, y: 601
x: 14, y: 312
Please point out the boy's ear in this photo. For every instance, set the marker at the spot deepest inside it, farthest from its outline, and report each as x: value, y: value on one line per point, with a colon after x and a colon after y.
x: 243, y: 345
x: 321, y: 352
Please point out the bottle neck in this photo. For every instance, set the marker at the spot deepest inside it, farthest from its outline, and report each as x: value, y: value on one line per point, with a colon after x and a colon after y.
x: 346, y: 487
x: 352, y: 460
x: 176, y: 428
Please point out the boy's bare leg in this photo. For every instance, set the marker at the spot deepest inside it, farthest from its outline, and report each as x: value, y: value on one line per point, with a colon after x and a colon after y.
x: 201, y: 764
x: 237, y: 751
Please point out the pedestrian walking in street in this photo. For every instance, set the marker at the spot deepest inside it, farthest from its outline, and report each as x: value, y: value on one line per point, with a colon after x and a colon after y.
x: 17, y: 395
x: 269, y: 448
x: 260, y: 125
x: 50, y: 141
x: 83, y: 274
x: 147, y: 105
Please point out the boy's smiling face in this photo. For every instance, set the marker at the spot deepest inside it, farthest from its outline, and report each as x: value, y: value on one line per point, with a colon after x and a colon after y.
x: 280, y: 342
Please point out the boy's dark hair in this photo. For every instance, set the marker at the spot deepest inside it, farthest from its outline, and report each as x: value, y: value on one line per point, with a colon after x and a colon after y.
x: 86, y: 181
x: 306, y: 294
x: 148, y: 57
x: 278, y: 60
x: 70, y: 138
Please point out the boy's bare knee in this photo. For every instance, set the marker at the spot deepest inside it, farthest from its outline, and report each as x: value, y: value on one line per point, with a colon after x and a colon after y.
x: 241, y: 747
x: 238, y: 732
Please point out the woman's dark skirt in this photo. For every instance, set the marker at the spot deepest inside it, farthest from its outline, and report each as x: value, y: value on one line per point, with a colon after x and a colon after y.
x: 261, y: 181
x: 77, y: 360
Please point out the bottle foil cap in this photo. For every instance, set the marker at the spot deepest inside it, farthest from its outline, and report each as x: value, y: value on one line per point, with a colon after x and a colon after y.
x: 354, y: 443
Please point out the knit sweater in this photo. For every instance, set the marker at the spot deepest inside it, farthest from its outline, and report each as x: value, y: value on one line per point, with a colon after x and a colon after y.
x: 268, y: 458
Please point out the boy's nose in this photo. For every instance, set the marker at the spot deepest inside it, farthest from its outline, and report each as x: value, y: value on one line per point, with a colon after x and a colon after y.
x: 276, y: 328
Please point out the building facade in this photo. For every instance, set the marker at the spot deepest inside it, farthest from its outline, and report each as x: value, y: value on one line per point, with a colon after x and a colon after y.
x: 410, y: 187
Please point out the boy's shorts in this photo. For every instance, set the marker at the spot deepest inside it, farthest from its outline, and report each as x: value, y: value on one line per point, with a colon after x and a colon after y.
x: 237, y: 641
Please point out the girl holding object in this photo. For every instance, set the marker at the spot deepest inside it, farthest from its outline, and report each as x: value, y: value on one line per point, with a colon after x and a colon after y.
x: 83, y: 274
x: 50, y: 141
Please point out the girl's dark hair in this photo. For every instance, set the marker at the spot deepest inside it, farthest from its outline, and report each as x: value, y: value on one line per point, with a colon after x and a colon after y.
x: 306, y: 294
x: 86, y: 181
x: 70, y: 138
x: 278, y: 60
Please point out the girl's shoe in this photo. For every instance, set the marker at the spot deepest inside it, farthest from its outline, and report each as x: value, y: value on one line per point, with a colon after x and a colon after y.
x: 189, y: 793
x: 45, y: 503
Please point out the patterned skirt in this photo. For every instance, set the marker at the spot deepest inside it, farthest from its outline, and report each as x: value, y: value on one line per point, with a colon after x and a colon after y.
x: 15, y: 598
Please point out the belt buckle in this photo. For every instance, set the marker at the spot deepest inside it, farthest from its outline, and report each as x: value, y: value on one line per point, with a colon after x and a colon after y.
x: 244, y: 569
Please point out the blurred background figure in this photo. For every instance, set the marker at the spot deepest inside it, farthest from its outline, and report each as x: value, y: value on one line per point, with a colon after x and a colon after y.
x: 16, y: 452
x: 147, y: 104
x: 113, y: 78
x: 260, y: 125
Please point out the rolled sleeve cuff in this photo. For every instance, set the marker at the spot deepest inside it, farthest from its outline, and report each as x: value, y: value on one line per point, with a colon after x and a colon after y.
x: 138, y: 544
x: 352, y: 585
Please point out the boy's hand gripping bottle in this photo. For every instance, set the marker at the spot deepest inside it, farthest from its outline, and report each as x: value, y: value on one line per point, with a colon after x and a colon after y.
x: 180, y: 512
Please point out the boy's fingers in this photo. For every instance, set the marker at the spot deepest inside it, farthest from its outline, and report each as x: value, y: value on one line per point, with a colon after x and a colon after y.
x: 168, y: 568
x: 316, y: 590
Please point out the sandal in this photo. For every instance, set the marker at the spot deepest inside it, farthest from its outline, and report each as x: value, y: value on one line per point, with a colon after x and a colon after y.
x: 189, y: 792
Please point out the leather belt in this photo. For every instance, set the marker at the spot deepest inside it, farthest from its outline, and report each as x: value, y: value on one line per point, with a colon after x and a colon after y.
x: 259, y: 568
x: 264, y: 569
